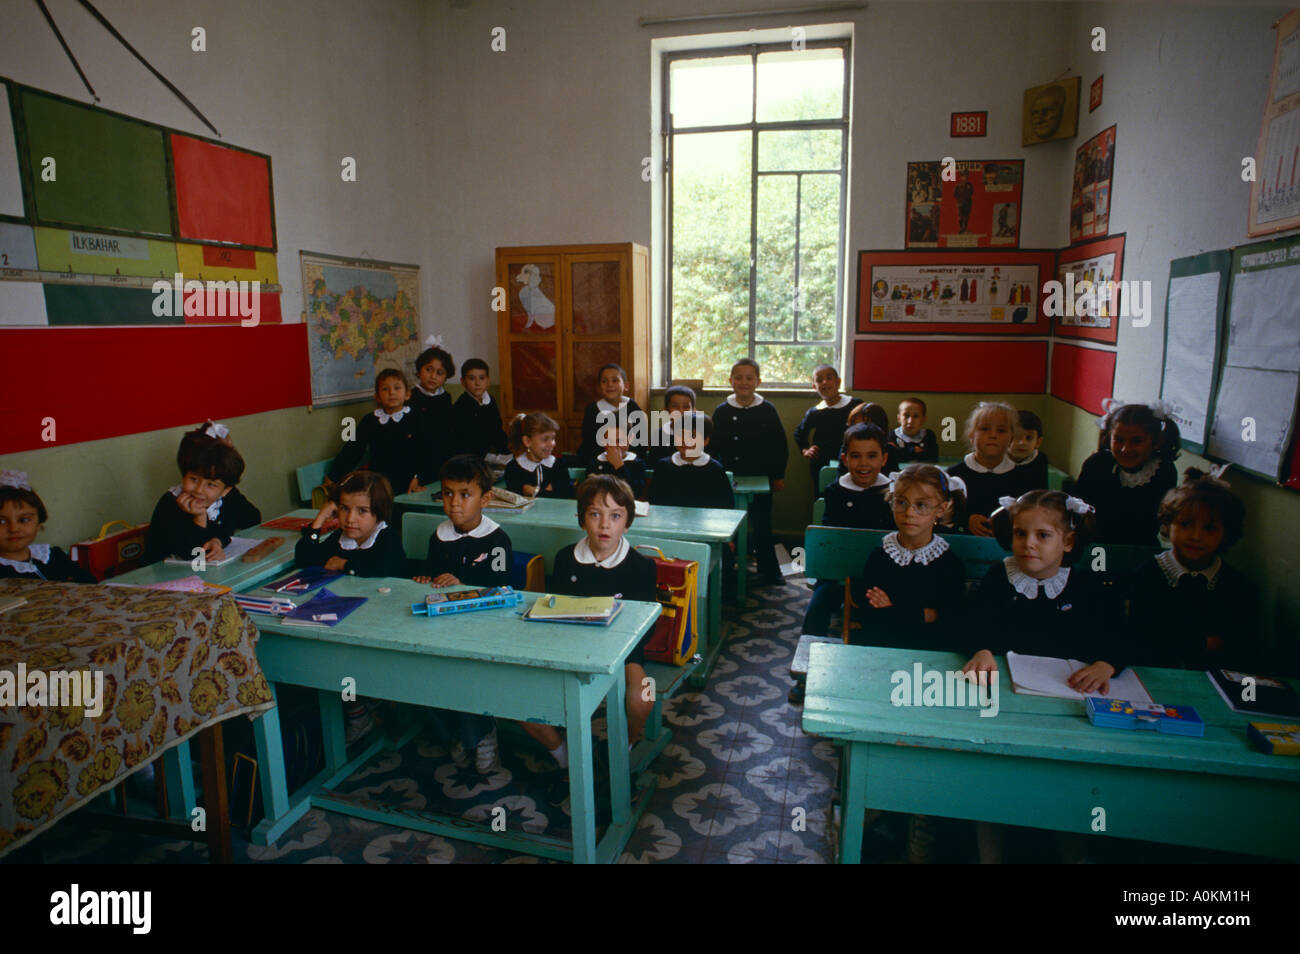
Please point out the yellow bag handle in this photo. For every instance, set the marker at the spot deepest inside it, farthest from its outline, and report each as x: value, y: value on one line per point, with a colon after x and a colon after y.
x: 646, y: 546
x: 103, y: 531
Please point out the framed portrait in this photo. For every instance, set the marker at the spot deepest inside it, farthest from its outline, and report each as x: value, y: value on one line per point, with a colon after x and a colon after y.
x: 1051, y: 112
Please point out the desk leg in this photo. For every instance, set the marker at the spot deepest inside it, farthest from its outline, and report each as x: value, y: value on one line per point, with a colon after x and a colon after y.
x: 582, y: 798
x: 853, y: 806
x: 742, y: 553
x: 180, y: 782
x: 620, y: 793
x: 711, y: 640
x: 332, y: 732
x: 212, y: 756
x: 270, y: 756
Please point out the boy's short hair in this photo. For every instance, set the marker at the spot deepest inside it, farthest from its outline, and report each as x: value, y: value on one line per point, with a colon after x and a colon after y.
x: 600, y: 485
x: 475, y: 364
x: 24, y: 495
x: 1029, y: 421
x: 865, y: 432
x: 747, y: 363
x: 701, y: 423
x: 683, y: 391
x: 214, y: 460
x: 371, y: 483
x: 441, y: 355
x: 1200, y: 490
x: 617, y: 367
x: 469, y: 469
x: 387, y: 373
x: 825, y: 367
x: 918, y: 402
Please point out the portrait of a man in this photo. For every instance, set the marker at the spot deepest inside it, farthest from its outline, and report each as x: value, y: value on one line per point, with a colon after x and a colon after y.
x: 1051, y: 112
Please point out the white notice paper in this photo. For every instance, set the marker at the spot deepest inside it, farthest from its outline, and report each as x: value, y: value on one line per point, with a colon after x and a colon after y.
x: 1189, y: 354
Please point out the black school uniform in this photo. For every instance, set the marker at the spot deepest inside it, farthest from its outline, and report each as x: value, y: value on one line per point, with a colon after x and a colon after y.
x: 173, y: 532
x: 929, y: 577
x: 985, y: 486
x: 863, y: 508
x: 476, y: 426
x: 631, y: 472
x: 472, y: 557
x: 598, y: 414
x: 684, y: 483
x: 626, y: 574
x: 380, y: 555
x: 1067, y: 618
x: 1033, y: 471
x: 523, y: 470
x: 400, y: 448
x: 1182, y: 619
x: 750, y: 441
x: 435, y: 409
x: 44, y: 562
x: 823, y: 425
x: 1127, y: 502
x: 904, y: 450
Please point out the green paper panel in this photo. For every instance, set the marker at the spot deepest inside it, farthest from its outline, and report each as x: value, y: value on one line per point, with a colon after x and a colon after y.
x: 102, y: 305
x: 11, y: 189
x: 110, y: 172
x: 92, y: 253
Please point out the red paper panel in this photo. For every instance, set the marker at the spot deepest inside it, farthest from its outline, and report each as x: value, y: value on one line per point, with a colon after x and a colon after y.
x: 1004, y: 367
x: 131, y: 380
x: 1083, y: 376
x: 222, y: 194
x: 267, y: 311
x: 232, y: 257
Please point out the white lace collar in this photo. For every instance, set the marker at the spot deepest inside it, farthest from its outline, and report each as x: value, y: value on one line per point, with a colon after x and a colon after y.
x: 842, y: 402
x: 385, y: 417
x: 925, y: 555
x: 347, y: 543
x: 36, y: 553
x: 731, y: 399
x: 1006, y: 466
x: 1028, y: 460
x: 846, y: 481
x: 606, y: 408
x: 1139, y: 477
x: 421, y: 389
x: 680, y: 461
x: 1174, y: 571
x: 603, y: 456
x: 447, y: 531
x: 902, y: 436
x: 527, y: 463
x: 214, y: 509
x: 582, y: 553
x: 1027, y: 586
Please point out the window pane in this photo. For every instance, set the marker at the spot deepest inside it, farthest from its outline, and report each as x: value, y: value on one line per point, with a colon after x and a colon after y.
x: 819, y: 226
x: 711, y: 92
x: 799, y: 149
x: 804, y: 85
x: 710, y: 266
x: 774, y: 305
x: 792, y: 364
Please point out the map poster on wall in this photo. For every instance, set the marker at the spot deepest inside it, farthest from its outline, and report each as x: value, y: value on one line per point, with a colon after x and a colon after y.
x: 976, y: 204
x: 362, y: 317
x: 1275, y: 191
x: 1090, y: 301
x: 965, y: 292
x: 1094, y: 164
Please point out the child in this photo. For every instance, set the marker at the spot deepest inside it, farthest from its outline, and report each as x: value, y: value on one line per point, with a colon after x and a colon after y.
x: 824, y: 422
x: 874, y: 414
x: 1187, y: 608
x: 618, y: 460
x: 476, y: 421
x: 678, y: 400
x: 604, y: 564
x: 987, y: 471
x: 430, y: 400
x: 535, y: 471
x: 748, y: 439
x: 857, y: 498
x: 400, y: 446
x: 21, y: 514
x: 364, y: 544
x: 468, y: 548
x: 193, y: 515
x: 1131, y: 472
x: 1024, y: 450
x: 690, y: 477
x: 613, y: 409
x: 912, y: 442
x: 240, y: 513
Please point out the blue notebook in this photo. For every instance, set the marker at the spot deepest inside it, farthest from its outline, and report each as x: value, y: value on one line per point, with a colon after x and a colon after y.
x: 324, y: 609
x: 304, y: 580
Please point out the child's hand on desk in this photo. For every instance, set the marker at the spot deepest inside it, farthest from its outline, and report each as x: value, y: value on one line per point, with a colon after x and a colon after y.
x: 530, y: 490
x: 1094, y: 678
x: 336, y: 564
x: 212, y: 550
x: 929, y: 615
x: 878, y: 598
x: 810, y: 451
x: 326, y: 514
x: 778, y: 484
x: 414, y: 487
x: 982, y: 661
x: 445, y: 579
x: 980, y: 525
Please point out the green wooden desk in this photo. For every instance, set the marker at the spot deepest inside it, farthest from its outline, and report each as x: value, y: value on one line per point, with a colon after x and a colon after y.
x: 714, y: 527
x: 491, y: 662
x: 1040, y: 763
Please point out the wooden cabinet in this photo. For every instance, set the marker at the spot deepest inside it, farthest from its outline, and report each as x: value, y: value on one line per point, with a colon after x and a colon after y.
x: 571, y: 309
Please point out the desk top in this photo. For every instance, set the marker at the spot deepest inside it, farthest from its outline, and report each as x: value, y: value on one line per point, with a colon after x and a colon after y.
x: 848, y: 697
x: 238, y: 574
x: 499, y: 635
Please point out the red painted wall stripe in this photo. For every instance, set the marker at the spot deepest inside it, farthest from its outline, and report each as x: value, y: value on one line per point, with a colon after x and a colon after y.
x: 1082, y: 376
x: 1015, y: 367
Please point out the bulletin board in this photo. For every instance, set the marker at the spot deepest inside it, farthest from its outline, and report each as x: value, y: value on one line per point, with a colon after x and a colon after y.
x: 953, y: 291
x: 978, y: 208
x: 1095, y: 262
x: 1195, y: 310
x: 1082, y: 376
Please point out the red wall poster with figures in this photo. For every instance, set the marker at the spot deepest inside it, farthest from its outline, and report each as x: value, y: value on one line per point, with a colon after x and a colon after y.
x: 972, y: 203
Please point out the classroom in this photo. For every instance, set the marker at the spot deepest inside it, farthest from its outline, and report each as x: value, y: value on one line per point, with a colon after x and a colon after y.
x: 1071, y: 241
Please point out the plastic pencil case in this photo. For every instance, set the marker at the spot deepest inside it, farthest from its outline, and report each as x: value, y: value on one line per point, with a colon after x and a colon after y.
x: 1119, y: 714
x: 466, y: 601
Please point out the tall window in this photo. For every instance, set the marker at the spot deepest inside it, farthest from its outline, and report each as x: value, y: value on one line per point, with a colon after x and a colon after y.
x: 757, y: 148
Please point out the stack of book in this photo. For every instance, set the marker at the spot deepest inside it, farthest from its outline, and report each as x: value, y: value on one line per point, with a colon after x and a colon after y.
x: 587, y: 610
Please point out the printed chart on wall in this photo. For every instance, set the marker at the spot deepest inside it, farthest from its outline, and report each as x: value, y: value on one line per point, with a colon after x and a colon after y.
x: 1094, y: 165
x: 1254, y: 410
x: 1275, y: 193
x: 1090, y: 291
x: 362, y: 317
x: 1194, y: 311
x: 976, y: 205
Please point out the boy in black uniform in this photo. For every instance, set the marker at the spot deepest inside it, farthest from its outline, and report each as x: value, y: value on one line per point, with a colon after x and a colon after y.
x: 690, y: 477
x: 400, y: 447
x: 430, y: 400
x: 1024, y: 450
x: 476, y: 420
x: 911, y: 442
x: 819, y: 435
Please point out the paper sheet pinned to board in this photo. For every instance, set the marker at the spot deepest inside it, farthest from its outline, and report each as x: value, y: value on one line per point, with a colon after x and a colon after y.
x: 1258, y: 405
x: 1190, y: 353
x: 1263, y: 331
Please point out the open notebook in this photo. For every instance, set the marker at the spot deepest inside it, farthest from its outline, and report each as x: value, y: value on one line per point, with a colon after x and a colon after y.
x: 236, y: 548
x: 1046, y: 675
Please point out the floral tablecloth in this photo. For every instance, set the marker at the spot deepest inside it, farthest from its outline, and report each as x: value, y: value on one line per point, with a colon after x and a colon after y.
x: 172, y: 664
